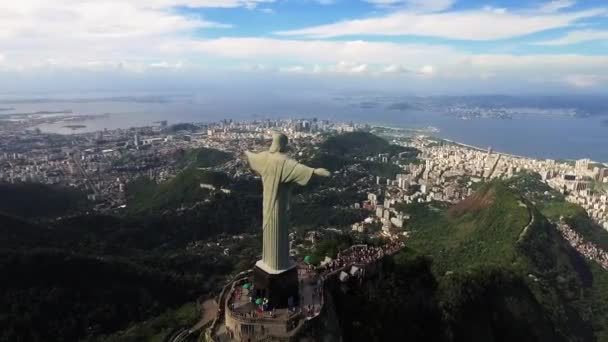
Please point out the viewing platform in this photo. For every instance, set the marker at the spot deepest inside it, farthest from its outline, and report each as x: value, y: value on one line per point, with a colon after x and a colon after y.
x: 247, y: 318
x: 244, y: 317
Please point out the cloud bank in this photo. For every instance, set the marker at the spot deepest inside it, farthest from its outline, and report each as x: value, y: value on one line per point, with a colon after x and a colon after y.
x: 149, y: 36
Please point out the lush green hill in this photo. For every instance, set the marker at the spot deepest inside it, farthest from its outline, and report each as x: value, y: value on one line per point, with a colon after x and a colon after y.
x: 17, y: 233
x: 410, y: 303
x: 346, y: 149
x: 553, y: 206
x: 96, y: 274
x: 202, y: 157
x: 49, y: 295
x: 90, y: 275
x: 33, y: 200
x: 484, y: 228
x: 182, y: 127
x: 594, y: 279
x: 158, y: 329
x: 357, y: 144
x: 184, y: 189
x: 498, y: 233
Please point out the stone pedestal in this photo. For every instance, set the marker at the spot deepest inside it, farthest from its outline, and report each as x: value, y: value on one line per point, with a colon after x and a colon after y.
x: 277, y: 286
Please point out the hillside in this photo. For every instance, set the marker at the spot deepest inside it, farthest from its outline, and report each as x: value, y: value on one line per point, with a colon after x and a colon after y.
x: 202, y: 157
x: 92, y: 275
x: 350, y: 148
x: 553, y: 205
x: 498, y: 233
x: 35, y: 200
x: 88, y: 275
x: 356, y: 144
x: 481, y: 229
x: 49, y: 295
x: 410, y: 303
x: 183, y: 189
x: 19, y: 233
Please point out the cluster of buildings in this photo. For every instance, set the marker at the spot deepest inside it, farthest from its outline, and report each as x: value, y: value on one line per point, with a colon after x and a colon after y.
x: 449, y: 171
x: 103, y: 163
x: 391, y: 221
x: 100, y: 163
x: 451, y: 168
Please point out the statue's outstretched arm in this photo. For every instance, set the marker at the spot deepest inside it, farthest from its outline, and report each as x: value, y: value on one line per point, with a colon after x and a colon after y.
x: 322, y: 172
x: 255, y: 161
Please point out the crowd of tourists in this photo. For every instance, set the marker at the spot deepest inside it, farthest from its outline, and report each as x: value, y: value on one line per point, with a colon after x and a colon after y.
x: 587, y: 249
x: 357, y: 255
x: 360, y: 255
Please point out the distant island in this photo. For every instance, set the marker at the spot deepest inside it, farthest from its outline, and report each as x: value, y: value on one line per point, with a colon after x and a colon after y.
x: 43, y: 112
x: 6, y: 109
x: 605, y: 122
x: 134, y: 99
x: 75, y: 127
x: 400, y: 106
x: 85, y: 117
x: 501, y: 107
x: 368, y: 104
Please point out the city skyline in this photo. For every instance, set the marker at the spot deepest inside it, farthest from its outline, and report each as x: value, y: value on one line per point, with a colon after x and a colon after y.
x: 438, y: 46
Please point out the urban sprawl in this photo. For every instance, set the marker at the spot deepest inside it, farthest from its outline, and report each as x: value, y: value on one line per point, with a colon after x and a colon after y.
x: 103, y: 163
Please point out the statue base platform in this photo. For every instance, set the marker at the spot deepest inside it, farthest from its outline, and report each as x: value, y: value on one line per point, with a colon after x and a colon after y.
x: 280, y: 287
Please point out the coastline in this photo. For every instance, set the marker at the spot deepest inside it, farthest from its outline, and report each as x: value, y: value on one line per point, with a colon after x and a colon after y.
x: 477, y: 148
x: 515, y: 155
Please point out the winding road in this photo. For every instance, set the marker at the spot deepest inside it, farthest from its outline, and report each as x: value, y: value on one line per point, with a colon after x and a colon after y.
x: 530, y: 223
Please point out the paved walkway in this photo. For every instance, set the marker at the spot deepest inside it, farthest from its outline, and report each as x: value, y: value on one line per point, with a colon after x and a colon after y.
x: 209, y: 308
x: 530, y: 223
x: 208, y: 314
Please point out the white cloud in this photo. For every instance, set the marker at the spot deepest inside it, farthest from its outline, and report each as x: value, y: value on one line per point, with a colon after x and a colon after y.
x: 193, y: 3
x: 345, y: 67
x: 149, y: 35
x: 585, y: 81
x: 309, y: 51
x: 579, y: 36
x: 556, y: 5
x: 294, y: 69
x: 481, y: 24
x: 394, y: 69
x: 427, y: 70
x: 113, y: 32
x: 374, y: 58
x: 167, y: 65
x: 70, y: 19
x: 355, y: 57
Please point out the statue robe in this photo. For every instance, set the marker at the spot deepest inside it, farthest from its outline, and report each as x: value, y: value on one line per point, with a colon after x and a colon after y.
x: 278, y: 173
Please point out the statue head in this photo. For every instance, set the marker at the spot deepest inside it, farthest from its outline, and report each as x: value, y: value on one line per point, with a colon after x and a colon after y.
x: 279, y: 142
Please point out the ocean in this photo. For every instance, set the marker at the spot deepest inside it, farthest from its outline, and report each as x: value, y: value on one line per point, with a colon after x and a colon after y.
x: 534, y: 135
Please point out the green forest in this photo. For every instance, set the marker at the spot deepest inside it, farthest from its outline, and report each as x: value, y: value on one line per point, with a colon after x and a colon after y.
x: 342, y: 150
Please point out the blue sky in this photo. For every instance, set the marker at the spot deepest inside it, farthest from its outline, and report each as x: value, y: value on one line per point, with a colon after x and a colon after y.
x: 559, y: 45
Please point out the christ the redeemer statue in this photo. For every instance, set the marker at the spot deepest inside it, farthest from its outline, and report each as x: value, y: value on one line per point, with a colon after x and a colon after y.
x: 279, y: 173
